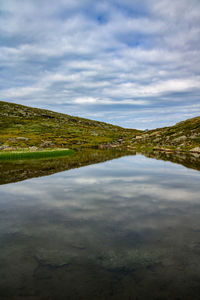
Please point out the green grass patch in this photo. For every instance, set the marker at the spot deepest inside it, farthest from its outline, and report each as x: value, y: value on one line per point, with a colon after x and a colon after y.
x: 34, y: 154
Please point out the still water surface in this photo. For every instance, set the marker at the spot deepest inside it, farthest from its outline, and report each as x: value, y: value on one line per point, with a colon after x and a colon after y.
x: 128, y: 228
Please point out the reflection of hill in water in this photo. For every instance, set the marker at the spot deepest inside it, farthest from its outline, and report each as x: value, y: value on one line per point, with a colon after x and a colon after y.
x: 191, y: 161
x: 13, y: 171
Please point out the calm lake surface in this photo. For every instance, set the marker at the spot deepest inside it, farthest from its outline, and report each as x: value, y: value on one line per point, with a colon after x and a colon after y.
x: 127, y: 228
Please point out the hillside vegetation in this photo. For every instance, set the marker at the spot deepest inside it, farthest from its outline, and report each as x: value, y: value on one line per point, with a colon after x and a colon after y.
x: 182, y: 136
x: 33, y: 128
x: 22, y: 126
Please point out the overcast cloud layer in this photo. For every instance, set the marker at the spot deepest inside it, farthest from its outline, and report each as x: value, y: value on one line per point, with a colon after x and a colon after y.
x: 130, y: 63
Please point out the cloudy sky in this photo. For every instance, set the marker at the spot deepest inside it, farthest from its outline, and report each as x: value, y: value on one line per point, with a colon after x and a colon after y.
x: 128, y: 62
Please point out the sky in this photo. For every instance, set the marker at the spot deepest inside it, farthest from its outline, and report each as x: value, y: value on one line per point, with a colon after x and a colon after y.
x: 131, y: 63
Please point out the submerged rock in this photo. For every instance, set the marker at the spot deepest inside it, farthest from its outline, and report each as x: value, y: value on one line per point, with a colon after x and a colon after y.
x: 128, y: 260
x: 53, y: 258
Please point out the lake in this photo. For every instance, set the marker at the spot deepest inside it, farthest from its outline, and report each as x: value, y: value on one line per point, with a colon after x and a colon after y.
x: 126, y: 228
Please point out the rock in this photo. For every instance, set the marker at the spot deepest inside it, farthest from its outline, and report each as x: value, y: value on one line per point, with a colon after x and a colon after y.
x: 195, y: 154
x: 46, y: 144
x: 129, y: 260
x: 4, y: 147
x: 9, y: 149
x: 180, y: 139
x: 94, y: 133
x: 54, y: 258
x: 157, y: 133
x: 47, y: 116
x: 195, y: 150
x: 156, y: 140
x: 20, y: 138
x: 101, y: 146
x: 33, y: 148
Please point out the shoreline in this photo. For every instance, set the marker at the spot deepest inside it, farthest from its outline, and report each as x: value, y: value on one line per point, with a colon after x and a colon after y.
x: 34, y: 152
x: 25, y: 153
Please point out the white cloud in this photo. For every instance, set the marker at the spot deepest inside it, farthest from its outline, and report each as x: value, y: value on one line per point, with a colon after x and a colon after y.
x: 85, y: 100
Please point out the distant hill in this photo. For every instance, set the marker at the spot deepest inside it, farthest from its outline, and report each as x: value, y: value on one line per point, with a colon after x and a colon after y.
x: 26, y: 127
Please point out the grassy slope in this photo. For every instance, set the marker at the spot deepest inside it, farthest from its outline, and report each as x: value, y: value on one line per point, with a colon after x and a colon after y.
x: 22, y: 127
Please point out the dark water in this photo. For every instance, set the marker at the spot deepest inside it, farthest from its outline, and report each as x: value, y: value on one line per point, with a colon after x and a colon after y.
x: 127, y: 228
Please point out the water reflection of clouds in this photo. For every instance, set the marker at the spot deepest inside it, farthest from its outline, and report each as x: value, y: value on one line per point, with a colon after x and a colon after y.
x: 111, y: 206
x: 125, y: 178
x: 130, y: 190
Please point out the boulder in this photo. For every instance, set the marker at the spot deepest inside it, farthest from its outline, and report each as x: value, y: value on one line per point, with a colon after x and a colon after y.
x: 33, y: 148
x: 180, y: 139
x: 46, y: 144
x: 195, y: 150
x: 4, y: 147
x: 20, y: 138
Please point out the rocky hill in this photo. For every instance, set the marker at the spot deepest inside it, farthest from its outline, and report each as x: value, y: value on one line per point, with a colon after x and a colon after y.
x: 22, y: 127
x: 184, y: 136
